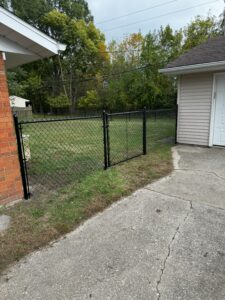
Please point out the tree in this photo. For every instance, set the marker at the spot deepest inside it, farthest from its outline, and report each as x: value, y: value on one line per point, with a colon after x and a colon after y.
x: 122, y: 76
x: 158, y: 49
x: 34, y: 14
x: 70, y: 22
x: 199, y: 31
x: 120, y: 92
x: 85, y: 54
x: 137, y: 59
x: 90, y: 101
x: 60, y: 101
x: 75, y: 9
x: 170, y: 43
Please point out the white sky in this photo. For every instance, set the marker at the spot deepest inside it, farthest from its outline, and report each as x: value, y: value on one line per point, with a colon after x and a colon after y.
x: 107, y: 9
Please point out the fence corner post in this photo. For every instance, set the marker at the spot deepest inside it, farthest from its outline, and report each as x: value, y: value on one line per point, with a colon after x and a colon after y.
x: 144, y: 132
x: 105, y: 139
x: 21, y: 158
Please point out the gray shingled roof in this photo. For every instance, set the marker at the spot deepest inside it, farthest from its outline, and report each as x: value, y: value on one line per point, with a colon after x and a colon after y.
x: 211, y: 51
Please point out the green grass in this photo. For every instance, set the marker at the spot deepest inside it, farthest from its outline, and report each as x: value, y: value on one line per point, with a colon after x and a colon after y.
x: 65, y: 152
x: 37, y: 222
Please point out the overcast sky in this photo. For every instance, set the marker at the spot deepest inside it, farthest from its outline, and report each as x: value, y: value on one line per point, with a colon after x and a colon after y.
x: 150, y: 18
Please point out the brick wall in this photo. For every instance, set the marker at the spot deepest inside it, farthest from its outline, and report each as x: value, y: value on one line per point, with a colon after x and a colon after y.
x: 10, y: 177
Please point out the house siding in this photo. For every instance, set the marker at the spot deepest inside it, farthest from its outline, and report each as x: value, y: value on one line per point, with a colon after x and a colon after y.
x: 194, y: 100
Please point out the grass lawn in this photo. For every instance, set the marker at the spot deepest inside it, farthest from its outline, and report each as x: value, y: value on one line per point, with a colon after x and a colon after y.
x: 64, y: 152
x: 37, y: 222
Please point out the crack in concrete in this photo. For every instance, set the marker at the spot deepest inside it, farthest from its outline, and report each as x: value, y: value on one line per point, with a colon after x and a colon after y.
x: 202, y: 171
x: 167, y: 195
x: 185, y: 200
x: 169, y: 251
x: 176, y: 161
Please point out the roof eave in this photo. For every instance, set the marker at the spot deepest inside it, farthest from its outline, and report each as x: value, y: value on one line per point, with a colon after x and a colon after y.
x: 197, y: 68
x: 36, y: 36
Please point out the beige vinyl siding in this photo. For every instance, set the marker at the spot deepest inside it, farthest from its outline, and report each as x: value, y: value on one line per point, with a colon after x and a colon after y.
x: 195, y: 98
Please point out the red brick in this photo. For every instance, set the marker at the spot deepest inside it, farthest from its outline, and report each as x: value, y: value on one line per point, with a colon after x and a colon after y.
x: 10, y: 177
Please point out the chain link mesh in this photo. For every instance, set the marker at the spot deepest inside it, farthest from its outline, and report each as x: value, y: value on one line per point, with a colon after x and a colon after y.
x: 161, y: 127
x: 125, y: 136
x: 60, y: 152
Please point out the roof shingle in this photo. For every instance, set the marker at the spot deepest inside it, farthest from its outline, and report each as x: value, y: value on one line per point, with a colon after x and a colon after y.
x: 211, y: 51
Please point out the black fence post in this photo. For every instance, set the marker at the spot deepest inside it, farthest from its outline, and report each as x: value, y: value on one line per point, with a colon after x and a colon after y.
x: 144, y: 132
x: 105, y: 140
x: 176, y: 124
x: 21, y: 158
x: 108, y: 140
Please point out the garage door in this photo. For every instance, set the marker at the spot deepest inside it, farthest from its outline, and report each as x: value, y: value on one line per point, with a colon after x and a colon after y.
x: 219, y: 120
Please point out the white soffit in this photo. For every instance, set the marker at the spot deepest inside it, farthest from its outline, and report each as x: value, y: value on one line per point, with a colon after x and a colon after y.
x: 7, y: 45
x: 23, y: 43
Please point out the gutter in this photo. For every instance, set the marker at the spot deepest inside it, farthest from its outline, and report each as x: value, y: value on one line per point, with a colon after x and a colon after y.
x: 197, y: 68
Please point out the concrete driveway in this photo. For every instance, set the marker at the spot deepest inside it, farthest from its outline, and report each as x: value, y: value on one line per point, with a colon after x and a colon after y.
x: 166, y: 241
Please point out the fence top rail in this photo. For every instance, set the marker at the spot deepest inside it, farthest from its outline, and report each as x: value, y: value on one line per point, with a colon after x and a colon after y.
x: 161, y: 110
x: 59, y: 120
x: 125, y: 113
x: 141, y: 111
x: 93, y: 117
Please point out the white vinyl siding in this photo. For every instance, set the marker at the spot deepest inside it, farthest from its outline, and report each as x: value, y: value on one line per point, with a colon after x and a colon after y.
x: 195, y: 98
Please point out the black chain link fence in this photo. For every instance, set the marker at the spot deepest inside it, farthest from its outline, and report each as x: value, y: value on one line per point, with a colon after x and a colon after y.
x: 125, y: 136
x: 58, y: 152
x: 161, y: 127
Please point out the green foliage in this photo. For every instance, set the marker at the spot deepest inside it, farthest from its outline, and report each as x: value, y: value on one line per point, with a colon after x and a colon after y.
x: 70, y: 22
x: 57, y: 22
x: 33, y: 14
x: 122, y: 76
x: 170, y: 43
x: 158, y: 49
x: 16, y: 82
x: 147, y: 87
x: 144, y: 86
x: 199, y: 30
x: 60, y: 101
x: 90, y: 101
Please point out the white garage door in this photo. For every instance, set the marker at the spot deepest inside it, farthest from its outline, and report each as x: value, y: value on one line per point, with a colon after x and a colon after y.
x: 219, y: 120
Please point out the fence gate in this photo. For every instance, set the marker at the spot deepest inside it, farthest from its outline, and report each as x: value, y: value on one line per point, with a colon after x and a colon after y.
x: 55, y: 153
x: 124, y: 136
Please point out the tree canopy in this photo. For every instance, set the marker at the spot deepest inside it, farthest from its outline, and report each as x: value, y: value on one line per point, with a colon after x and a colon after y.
x: 92, y: 75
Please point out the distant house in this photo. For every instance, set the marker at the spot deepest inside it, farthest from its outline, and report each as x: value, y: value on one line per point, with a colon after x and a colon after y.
x: 201, y: 93
x: 18, y: 102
